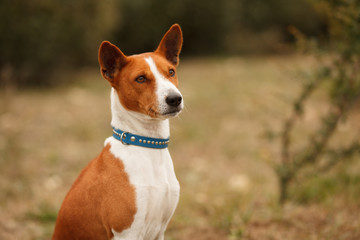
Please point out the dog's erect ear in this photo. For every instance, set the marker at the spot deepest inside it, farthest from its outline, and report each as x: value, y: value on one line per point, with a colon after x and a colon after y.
x: 170, y: 45
x: 111, y: 60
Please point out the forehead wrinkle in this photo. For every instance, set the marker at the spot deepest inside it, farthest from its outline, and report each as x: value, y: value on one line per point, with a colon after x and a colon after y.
x: 158, y: 76
x: 137, y: 66
x: 163, y: 85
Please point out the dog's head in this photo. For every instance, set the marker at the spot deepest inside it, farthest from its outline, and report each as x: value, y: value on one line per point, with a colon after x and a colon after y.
x: 146, y: 83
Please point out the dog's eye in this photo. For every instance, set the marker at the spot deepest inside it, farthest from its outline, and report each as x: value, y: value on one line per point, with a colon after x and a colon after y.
x: 172, y: 72
x: 140, y: 79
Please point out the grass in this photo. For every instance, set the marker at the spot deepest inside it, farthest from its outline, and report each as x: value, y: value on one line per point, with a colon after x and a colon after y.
x: 221, y: 145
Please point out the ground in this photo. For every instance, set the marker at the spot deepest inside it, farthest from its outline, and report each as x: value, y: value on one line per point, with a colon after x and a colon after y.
x: 221, y: 146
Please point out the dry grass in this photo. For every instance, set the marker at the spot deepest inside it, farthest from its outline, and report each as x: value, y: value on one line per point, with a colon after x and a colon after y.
x: 219, y: 147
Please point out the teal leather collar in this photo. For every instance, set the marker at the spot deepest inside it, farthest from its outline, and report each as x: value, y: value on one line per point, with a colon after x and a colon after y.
x: 127, y: 138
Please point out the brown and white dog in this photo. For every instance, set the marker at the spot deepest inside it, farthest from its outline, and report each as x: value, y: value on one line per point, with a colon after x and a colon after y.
x: 128, y: 191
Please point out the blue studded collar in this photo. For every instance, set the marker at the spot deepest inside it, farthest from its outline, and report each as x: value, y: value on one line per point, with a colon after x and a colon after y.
x: 127, y: 138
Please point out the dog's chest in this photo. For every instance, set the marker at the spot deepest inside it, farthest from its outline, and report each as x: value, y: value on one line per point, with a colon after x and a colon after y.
x: 152, y: 174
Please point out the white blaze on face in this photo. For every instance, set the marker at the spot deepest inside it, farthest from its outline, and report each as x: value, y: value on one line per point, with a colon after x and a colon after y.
x: 163, y: 87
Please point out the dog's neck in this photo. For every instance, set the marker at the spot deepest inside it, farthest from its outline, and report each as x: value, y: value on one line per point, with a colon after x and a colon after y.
x: 136, y: 123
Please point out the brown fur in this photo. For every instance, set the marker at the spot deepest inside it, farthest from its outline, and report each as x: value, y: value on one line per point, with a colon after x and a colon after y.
x: 121, y: 71
x: 170, y: 45
x: 101, y: 199
x: 141, y: 97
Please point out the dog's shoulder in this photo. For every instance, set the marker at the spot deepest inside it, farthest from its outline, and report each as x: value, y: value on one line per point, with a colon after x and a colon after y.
x: 104, y: 187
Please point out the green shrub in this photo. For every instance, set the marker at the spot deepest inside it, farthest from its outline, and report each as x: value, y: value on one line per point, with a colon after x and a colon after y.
x: 339, y: 70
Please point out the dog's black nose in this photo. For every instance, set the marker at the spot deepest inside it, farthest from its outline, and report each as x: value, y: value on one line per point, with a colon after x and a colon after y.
x: 174, y: 99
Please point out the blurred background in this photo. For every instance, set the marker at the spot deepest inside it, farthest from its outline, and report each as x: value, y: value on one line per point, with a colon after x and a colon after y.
x: 42, y: 38
x: 266, y: 148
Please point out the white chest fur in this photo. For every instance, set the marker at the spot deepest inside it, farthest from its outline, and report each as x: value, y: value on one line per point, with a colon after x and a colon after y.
x: 152, y: 174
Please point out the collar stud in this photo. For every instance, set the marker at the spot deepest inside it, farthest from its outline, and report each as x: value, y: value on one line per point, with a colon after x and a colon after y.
x: 132, y: 139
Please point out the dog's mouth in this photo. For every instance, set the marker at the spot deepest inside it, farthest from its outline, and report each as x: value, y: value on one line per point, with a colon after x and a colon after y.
x: 167, y: 114
x: 172, y: 112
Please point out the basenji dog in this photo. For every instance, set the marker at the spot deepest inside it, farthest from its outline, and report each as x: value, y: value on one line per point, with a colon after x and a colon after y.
x: 130, y: 191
